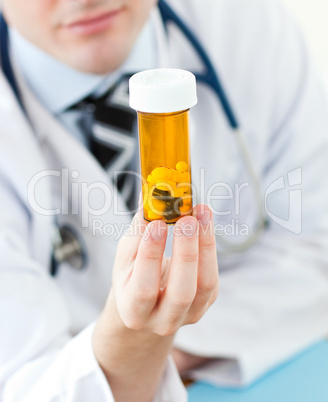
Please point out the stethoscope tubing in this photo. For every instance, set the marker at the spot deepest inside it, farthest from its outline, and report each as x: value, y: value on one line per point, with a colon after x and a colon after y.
x: 210, y: 77
x: 5, y: 61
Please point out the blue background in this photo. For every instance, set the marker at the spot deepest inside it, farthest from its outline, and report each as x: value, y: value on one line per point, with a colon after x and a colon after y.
x: 302, y: 379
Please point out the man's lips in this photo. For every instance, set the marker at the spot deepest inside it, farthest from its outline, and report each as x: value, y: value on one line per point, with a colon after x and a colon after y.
x: 94, y: 24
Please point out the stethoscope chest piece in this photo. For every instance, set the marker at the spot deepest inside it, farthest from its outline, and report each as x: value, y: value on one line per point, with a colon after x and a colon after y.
x: 68, y: 247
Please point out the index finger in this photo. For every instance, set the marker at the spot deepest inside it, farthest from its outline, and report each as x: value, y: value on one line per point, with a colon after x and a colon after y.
x: 130, y: 241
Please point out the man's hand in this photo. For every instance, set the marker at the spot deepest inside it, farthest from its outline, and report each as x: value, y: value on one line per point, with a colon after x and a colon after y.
x: 151, y: 298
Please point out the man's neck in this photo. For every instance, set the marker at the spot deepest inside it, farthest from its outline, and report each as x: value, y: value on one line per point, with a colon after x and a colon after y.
x: 57, y: 86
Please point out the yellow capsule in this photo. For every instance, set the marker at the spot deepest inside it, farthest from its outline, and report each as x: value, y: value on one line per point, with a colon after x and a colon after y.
x: 150, y: 179
x: 166, y: 185
x: 161, y: 173
x: 187, y: 201
x: 185, y: 208
x: 152, y: 216
x: 181, y: 166
x: 157, y: 205
x: 178, y: 192
x: 181, y: 191
x: 175, y: 175
x: 185, y: 178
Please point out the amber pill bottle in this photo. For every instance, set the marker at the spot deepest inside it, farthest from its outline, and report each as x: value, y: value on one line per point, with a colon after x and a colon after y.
x: 162, y: 99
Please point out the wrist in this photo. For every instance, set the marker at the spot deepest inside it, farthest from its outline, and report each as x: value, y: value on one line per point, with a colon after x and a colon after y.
x: 132, y: 361
x: 113, y: 340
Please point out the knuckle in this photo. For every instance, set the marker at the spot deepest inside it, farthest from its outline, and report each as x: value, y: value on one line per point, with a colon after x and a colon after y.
x: 151, y: 254
x: 209, y: 285
x: 190, y: 257
x: 194, y: 318
x: 182, y: 301
x: 132, y: 322
x: 217, y: 289
x: 196, y: 315
x: 208, y: 244
x: 214, y: 294
x: 144, y: 295
x: 166, y: 331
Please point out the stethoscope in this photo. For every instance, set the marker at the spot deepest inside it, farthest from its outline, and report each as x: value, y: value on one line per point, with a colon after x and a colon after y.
x: 210, y: 77
x: 67, y: 244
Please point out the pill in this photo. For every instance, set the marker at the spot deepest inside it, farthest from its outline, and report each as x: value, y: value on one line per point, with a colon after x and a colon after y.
x: 181, y: 166
x: 175, y: 175
x: 157, y: 192
x: 181, y: 191
x: 161, y: 173
x: 150, y: 179
x: 157, y: 205
x: 185, y: 177
x: 153, y: 216
x: 187, y: 201
x: 167, y: 185
x: 185, y: 208
x: 171, y: 214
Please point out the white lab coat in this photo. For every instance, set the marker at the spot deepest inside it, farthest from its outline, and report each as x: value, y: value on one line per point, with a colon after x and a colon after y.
x: 274, y: 298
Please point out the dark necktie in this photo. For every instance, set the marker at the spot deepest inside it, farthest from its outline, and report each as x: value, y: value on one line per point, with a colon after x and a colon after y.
x: 109, y: 126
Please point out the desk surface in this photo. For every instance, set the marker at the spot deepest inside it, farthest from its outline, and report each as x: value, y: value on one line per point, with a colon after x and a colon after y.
x: 302, y: 379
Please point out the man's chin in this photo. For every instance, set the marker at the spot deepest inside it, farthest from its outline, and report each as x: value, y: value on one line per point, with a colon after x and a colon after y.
x: 103, y: 58
x: 95, y: 65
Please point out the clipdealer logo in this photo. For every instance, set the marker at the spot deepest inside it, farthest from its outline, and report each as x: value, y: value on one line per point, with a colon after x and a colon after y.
x: 91, y: 200
x: 293, y: 223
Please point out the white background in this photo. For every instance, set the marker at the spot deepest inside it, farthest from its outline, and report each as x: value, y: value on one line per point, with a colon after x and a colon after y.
x: 312, y: 15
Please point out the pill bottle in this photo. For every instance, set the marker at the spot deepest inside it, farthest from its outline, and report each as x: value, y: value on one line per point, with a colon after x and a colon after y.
x: 162, y: 99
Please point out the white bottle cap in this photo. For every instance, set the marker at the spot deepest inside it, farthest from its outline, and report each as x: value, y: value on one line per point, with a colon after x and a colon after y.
x: 163, y: 90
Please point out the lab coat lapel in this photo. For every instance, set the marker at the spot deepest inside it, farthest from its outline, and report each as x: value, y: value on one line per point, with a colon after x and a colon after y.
x: 20, y: 161
x: 18, y: 141
x: 85, y: 290
x: 63, y: 151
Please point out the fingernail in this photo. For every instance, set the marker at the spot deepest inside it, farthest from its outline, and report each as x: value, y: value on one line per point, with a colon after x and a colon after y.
x: 204, y: 217
x: 157, y: 230
x: 188, y: 227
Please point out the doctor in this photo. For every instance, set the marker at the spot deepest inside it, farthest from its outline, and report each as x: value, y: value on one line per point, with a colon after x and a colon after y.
x: 81, y: 334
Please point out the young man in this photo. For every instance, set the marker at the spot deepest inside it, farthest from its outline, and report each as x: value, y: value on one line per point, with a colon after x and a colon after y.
x: 274, y: 300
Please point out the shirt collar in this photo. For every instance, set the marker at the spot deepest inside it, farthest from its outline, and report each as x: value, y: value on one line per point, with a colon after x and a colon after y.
x: 58, y: 86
